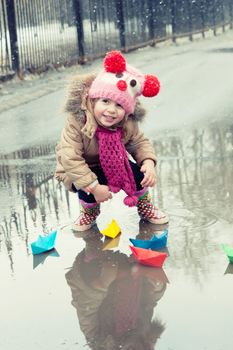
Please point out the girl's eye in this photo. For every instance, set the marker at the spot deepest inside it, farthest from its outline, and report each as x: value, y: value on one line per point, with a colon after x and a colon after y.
x: 119, y: 106
x: 105, y: 100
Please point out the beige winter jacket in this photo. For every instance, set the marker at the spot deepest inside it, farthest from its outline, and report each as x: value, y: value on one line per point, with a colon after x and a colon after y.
x: 77, y: 151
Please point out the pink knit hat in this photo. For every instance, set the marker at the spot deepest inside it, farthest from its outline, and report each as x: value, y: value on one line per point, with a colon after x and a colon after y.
x: 122, y: 83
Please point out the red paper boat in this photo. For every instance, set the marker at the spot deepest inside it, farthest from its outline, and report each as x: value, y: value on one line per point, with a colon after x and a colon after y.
x: 148, y: 257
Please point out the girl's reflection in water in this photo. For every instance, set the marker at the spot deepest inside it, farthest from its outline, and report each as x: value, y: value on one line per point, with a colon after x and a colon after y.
x: 115, y: 298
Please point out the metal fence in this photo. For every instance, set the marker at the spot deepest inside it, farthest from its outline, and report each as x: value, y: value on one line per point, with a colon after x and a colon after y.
x: 36, y: 35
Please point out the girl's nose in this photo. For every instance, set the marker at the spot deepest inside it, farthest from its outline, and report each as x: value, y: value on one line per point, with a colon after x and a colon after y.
x: 111, y: 108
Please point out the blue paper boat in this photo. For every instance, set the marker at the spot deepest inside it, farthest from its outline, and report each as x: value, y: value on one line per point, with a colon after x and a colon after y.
x: 155, y: 243
x: 44, y: 243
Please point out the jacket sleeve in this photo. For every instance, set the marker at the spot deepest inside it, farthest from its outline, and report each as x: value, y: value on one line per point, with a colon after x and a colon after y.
x: 70, y: 155
x: 139, y: 145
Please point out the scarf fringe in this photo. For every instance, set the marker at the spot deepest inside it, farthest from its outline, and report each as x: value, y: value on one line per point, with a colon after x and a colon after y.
x: 130, y: 201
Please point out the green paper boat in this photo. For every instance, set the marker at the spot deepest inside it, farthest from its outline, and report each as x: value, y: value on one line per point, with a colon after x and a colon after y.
x: 229, y: 252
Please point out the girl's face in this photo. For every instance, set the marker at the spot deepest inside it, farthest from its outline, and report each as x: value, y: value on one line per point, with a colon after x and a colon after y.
x: 107, y: 112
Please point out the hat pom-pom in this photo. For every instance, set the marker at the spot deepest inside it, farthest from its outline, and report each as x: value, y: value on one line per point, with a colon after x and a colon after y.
x: 114, y: 62
x: 151, y: 86
x: 130, y: 201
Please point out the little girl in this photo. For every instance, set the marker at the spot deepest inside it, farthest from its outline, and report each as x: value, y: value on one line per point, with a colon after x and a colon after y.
x: 101, y: 130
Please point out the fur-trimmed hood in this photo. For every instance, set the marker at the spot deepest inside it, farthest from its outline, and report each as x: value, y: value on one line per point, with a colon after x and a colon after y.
x: 76, y: 102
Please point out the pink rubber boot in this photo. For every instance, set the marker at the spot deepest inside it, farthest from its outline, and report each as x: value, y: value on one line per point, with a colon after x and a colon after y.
x: 88, y: 216
x: 148, y: 211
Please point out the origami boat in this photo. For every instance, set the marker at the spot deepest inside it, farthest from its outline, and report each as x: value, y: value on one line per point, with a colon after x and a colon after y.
x: 148, y: 257
x: 229, y: 252
x: 112, y: 230
x: 155, y: 243
x: 44, y: 243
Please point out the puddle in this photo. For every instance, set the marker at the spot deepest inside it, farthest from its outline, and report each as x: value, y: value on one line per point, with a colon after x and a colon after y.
x: 89, y: 293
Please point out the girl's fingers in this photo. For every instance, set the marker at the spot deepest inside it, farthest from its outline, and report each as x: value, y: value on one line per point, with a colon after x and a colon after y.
x: 150, y: 183
x: 149, y: 180
x: 143, y: 183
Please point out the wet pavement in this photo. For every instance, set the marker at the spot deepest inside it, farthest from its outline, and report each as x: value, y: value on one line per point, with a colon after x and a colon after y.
x: 89, y: 293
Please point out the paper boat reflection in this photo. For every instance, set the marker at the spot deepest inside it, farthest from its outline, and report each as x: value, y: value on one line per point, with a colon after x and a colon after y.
x: 157, y: 274
x: 229, y: 252
x: 111, y: 243
x: 112, y: 230
x: 155, y: 243
x: 44, y: 243
x: 40, y: 258
x: 229, y: 269
x: 148, y: 257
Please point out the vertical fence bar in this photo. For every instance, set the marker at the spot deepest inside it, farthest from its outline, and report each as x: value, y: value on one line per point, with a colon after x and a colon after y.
x: 150, y: 14
x: 213, y: 10
x: 40, y: 37
x: 90, y: 39
x: 190, y: 19
x: 48, y: 20
x: 203, y: 17
x: 121, y: 23
x: 27, y: 51
x: 21, y: 40
x: 173, y: 19
x: 231, y: 13
x: 29, y: 29
x: 10, y: 10
x: 5, y: 64
x: 222, y: 16
x: 53, y: 23
x: 80, y: 32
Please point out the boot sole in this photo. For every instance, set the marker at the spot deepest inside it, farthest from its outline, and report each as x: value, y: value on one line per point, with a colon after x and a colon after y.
x: 77, y: 228
x: 161, y: 221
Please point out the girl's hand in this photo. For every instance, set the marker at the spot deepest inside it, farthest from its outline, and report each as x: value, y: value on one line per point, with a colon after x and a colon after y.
x: 101, y: 193
x: 150, y: 177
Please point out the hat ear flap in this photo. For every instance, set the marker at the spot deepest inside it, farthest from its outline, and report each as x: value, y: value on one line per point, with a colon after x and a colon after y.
x: 151, y: 86
x: 114, y: 62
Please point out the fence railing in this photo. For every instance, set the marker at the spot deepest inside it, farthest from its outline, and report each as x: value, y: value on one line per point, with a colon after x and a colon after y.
x: 36, y: 35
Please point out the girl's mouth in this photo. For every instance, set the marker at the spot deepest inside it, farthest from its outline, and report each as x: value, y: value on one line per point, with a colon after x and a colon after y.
x: 109, y: 118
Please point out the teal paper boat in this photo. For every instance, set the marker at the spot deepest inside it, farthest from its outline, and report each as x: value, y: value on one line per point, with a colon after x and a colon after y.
x: 155, y: 243
x: 44, y: 243
x: 229, y: 252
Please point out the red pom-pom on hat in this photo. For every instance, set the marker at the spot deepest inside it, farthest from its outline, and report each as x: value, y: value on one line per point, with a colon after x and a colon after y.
x: 114, y: 62
x: 151, y: 86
